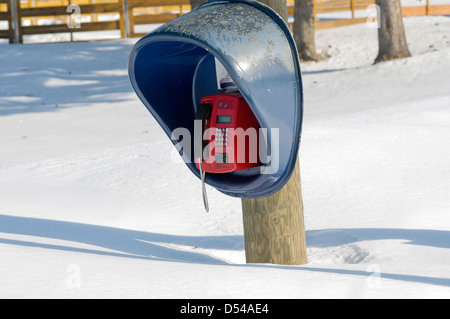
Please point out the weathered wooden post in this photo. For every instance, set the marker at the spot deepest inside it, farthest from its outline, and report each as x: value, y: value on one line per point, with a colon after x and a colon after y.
x: 274, y: 227
x: 16, y: 21
x: 10, y: 17
x: 352, y: 8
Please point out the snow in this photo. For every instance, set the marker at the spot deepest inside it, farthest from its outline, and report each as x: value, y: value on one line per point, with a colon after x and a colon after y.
x: 96, y: 204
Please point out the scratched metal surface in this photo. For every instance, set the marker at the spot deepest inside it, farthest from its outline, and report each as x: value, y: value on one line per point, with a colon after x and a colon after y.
x: 260, y: 56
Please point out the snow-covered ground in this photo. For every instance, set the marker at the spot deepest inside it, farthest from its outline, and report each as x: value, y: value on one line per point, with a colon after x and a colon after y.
x: 94, y: 203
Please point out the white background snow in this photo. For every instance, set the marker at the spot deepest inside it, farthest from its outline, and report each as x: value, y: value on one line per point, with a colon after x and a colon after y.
x: 94, y: 202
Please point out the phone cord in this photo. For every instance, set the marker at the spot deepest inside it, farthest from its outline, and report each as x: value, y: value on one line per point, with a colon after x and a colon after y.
x: 203, y: 176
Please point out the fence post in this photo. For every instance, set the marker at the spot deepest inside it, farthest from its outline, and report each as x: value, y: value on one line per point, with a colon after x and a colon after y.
x: 16, y: 21
x: 125, y: 20
x: 315, y: 12
x: 352, y: 6
x: 70, y: 29
x: 10, y: 21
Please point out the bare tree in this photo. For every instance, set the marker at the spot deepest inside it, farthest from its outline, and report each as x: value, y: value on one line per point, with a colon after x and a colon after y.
x: 279, y: 6
x: 391, y: 34
x: 304, y: 30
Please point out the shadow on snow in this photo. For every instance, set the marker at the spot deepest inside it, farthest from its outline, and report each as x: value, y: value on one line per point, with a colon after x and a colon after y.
x: 152, y: 246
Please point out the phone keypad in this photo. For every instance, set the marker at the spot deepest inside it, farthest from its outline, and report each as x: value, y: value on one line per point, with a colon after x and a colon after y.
x: 221, y: 137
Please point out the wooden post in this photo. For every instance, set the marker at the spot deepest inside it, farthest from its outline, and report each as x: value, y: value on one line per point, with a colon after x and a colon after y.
x: 70, y: 29
x: 352, y: 7
x: 274, y: 228
x: 9, y: 8
x: 17, y: 21
x: 315, y: 13
x: 125, y: 20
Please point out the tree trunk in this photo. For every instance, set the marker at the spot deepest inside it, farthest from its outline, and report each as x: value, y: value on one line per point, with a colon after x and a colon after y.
x: 195, y: 3
x: 279, y: 6
x: 304, y: 30
x: 391, y: 34
x: 274, y: 229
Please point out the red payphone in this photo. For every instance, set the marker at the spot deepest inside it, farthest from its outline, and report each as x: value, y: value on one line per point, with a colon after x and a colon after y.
x: 230, y: 134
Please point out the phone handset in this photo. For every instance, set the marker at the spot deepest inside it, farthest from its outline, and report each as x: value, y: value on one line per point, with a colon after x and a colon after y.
x: 202, y: 117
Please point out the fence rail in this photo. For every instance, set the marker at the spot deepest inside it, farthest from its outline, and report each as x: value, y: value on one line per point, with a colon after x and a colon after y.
x: 426, y: 10
x: 64, y: 27
x: 138, y: 18
x: 350, y: 6
x: 23, y: 17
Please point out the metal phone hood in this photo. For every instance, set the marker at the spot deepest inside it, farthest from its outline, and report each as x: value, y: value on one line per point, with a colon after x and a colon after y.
x: 175, y: 65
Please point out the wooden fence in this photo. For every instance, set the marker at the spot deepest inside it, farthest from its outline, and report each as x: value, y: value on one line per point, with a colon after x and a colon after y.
x: 138, y: 16
x: 350, y: 6
x: 128, y: 15
x: 428, y: 10
x: 61, y: 14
